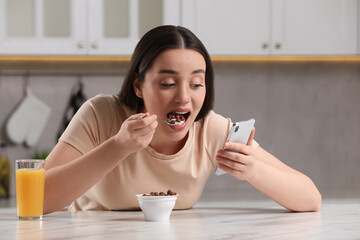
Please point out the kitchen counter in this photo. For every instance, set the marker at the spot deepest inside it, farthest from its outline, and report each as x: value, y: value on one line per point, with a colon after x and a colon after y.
x: 251, y: 219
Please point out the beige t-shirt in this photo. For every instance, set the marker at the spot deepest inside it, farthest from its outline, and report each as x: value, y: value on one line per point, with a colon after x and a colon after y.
x: 185, y: 172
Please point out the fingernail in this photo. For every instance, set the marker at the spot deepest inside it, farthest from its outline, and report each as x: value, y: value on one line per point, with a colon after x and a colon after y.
x: 141, y: 117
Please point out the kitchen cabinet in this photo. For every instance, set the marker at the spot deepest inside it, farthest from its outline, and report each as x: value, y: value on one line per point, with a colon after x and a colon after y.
x: 42, y: 27
x: 274, y: 27
x: 321, y: 27
x: 229, y: 27
x: 80, y: 27
x: 117, y: 25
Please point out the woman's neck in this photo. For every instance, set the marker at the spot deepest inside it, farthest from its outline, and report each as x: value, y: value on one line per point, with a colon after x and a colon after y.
x: 168, y: 147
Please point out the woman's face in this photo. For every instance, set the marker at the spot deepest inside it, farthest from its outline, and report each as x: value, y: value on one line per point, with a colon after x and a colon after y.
x: 174, y: 85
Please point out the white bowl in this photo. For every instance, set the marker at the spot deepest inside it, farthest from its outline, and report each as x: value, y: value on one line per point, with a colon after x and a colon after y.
x: 157, y: 208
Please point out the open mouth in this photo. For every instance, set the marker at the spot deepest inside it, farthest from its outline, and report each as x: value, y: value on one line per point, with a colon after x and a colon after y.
x: 177, y: 118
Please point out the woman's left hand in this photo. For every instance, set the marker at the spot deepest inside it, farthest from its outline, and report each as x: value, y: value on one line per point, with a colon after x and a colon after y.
x: 240, y: 164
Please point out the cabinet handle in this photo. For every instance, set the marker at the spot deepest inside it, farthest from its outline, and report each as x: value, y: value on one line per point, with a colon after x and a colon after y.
x: 81, y: 44
x: 265, y: 46
x: 95, y: 45
x: 278, y: 45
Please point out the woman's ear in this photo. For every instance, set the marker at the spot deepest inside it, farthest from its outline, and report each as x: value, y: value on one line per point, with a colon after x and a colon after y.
x: 137, y: 88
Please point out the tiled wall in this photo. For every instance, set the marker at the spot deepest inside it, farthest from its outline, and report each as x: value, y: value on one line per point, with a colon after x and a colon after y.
x: 307, y: 115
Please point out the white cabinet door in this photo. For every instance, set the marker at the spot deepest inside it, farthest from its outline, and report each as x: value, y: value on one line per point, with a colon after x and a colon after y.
x: 309, y: 27
x: 229, y: 27
x: 275, y: 27
x: 115, y: 26
x: 42, y: 27
x: 80, y: 27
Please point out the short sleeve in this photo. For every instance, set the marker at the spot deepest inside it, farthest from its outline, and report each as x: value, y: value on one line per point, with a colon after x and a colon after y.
x: 91, y: 124
x: 216, y: 129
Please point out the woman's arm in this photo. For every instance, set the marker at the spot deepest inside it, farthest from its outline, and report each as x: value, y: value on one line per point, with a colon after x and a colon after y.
x: 68, y: 181
x: 69, y: 174
x: 286, y: 186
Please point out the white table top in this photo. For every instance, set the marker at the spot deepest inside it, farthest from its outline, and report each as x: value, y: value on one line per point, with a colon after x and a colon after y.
x: 338, y: 219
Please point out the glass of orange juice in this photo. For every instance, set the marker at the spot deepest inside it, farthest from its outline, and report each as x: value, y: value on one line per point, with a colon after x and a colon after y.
x: 30, y: 178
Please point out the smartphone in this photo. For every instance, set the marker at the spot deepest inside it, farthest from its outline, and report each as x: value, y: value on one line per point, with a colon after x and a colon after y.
x: 240, y: 133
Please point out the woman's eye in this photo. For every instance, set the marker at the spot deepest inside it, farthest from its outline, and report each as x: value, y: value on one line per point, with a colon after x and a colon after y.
x: 197, y: 85
x: 167, y: 85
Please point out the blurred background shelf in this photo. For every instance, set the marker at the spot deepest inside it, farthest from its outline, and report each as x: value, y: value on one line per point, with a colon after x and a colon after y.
x: 117, y: 65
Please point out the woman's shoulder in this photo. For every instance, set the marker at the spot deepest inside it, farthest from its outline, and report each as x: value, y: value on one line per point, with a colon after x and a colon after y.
x: 103, y: 101
x: 216, y: 123
x: 109, y: 104
x: 211, y: 133
x: 215, y: 128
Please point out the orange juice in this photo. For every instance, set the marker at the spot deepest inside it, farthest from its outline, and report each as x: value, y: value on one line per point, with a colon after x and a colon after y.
x: 30, y: 192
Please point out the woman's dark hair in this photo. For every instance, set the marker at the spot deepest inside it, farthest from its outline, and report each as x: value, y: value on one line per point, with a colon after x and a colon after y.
x: 149, y: 47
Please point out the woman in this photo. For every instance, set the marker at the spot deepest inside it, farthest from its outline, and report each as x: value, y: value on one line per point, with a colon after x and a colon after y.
x: 160, y: 133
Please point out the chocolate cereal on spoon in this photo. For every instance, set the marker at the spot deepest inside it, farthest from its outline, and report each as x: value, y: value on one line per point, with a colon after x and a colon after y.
x: 176, y: 118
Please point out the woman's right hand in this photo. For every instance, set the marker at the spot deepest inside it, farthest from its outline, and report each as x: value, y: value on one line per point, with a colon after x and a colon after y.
x: 137, y: 132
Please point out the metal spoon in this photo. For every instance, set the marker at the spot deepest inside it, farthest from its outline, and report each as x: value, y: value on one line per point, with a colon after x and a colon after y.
x: 165, y: 121
x: 172, y: 124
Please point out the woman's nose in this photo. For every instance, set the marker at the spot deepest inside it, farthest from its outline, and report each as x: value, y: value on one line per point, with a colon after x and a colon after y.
x: 183, y: 94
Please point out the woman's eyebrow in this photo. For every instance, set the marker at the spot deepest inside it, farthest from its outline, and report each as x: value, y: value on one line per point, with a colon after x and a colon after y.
x: 169, y: 71
x: 198, y: 71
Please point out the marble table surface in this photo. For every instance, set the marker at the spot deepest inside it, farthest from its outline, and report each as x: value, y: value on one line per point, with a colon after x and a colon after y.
x: 260, y: 219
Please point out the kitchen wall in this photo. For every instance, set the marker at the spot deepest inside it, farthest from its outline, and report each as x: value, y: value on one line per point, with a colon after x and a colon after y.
x: 307, y: 114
